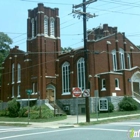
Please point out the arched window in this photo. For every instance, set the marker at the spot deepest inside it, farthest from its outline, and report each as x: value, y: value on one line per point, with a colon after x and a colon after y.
x: 45, y: 25
x: 103, y: 85
x: 33, y: 28
x: 18, y: 73
x: 36, y: 26
x: 13, y: 91
x: 52, y: 26
x: 66, y: 78
x: 117, y: 86
x: 18, y: 91
x: 13, y: 73
x: 114, y: 59
x: 129, y: 61
x: 81, y: 73
x: 122, y: 58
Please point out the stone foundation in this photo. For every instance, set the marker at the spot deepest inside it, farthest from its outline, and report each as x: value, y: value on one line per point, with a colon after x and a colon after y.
x: 69, y: 105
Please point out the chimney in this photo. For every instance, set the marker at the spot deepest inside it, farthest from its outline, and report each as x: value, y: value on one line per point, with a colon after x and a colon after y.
x: 16, y: 47
x: 105, y: 29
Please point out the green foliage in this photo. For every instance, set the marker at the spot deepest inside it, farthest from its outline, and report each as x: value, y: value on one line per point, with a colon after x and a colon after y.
x: 45, y: 112
x: 13, y: 108
x: 4, y: 112
x: 128, y: 104
x: 23, y: 112
x: 5, y: 42
x: 15, y: 111
x: 110, y: 107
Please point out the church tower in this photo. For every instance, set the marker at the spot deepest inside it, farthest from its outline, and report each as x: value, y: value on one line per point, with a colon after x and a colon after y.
x: 43, y: 46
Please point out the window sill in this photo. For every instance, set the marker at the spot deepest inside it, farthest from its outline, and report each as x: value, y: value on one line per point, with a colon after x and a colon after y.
x: 117, y: 88
x: 103, y: 89
x: 18, y: 96
x: 18, y: 81
x: 13, y: 97
x: 66, y: 93
x: 13, y: 83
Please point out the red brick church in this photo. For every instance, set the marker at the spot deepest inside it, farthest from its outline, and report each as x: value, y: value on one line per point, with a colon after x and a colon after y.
x: 113, y: 65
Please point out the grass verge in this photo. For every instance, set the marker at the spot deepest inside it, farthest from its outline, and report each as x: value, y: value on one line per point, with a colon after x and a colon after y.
x: 111, y: 120
x: 25, y: 119
x: 113, y: 114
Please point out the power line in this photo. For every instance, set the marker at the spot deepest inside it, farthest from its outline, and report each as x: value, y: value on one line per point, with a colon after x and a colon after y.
x: 115, y: 11
x: 47, y: 2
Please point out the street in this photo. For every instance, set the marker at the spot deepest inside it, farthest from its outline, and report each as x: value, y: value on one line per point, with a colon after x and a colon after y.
x: 111, y: 131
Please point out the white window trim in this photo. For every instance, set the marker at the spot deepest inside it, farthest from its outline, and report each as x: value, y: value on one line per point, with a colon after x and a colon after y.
x: 13, y: 73
x: 129, y: 61
x: 103, y: 88
x: 122, y: 58
x: 114, y: 59
x: 52, y: 27
x: 18, y: 73
x: 118, y: 83
x: 66, y: 64
x: 81, y: 73
x: 46, y: 26
x: 18, y: 91
x: 13, y: 92
x: 33, y: 28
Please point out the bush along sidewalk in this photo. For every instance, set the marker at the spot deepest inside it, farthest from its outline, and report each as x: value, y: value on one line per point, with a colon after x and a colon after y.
x: 35, y: 112
x: 128, y: 104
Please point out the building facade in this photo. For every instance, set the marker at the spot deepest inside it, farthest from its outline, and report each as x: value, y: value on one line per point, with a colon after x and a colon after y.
x: 112, y: 65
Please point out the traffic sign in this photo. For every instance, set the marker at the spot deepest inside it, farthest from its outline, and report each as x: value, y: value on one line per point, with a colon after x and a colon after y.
x: 29, y: 91
x: 86, y: 93
x: 77, y: 92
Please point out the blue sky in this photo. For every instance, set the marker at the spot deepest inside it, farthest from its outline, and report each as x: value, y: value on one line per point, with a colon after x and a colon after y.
x: 123, y: 14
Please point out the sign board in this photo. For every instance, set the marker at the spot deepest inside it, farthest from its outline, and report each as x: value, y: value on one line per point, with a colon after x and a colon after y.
x: 103, y: 104
x: 29, y: 91
x: 76, y: 92
x: 86, y: 93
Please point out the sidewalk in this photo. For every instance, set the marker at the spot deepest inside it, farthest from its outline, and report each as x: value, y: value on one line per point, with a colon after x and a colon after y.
x: 71, y: 121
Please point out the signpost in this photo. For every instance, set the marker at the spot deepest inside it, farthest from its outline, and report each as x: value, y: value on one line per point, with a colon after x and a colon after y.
x: 29, y: 92
x: 76, y: 92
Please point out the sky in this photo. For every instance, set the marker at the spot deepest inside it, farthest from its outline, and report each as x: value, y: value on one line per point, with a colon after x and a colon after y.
x: 123, y: 14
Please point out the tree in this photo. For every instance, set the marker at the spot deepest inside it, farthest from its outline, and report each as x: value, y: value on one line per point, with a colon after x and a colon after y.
x: 5, y: 42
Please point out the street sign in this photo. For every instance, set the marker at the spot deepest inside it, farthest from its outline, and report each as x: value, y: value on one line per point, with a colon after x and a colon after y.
x: 77, y: 92
x: 86, y: 93
x: 29, y: 91
x: 103, y: 104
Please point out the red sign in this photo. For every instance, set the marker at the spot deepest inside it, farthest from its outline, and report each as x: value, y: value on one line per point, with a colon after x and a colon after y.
x: 77, y: 92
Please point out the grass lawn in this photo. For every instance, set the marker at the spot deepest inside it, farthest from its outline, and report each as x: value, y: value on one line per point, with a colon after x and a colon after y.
x: 113, y: 114
x: 25, y: 119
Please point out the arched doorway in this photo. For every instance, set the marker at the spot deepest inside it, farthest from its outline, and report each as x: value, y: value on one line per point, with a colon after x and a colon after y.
x: 135, y: 83
x: 50, y: 93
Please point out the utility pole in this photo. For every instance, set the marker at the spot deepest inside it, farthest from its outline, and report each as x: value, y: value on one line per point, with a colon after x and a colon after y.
x: 86, y: 16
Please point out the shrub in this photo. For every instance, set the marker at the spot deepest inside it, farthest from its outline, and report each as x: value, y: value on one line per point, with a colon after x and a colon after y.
x: 128, y: 104
x: 23, y: 112
x: 13, y: 108
x: 45, y: 112
x: 4, y: 112
x: 110, y: 107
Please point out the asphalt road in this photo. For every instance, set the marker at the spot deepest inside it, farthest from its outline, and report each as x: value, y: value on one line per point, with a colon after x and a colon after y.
x: 112, y: 131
